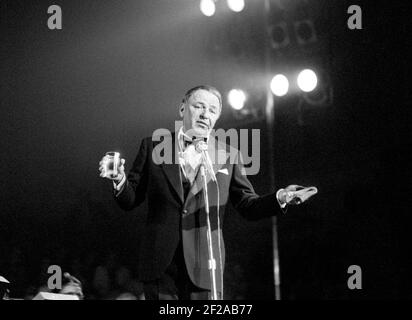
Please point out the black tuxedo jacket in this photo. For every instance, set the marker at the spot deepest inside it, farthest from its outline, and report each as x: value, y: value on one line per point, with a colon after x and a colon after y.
x: 171, y: 216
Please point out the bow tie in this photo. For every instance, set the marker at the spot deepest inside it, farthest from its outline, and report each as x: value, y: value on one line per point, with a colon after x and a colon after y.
x: 187, y: 142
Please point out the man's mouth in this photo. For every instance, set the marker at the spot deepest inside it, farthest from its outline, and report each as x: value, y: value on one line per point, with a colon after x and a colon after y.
x: 202, y: 124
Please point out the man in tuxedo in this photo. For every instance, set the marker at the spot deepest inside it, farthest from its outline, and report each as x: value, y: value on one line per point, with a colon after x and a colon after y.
x: 174, y: 258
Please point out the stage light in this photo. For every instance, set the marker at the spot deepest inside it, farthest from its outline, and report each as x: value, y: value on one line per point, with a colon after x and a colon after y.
x: 279, y: 85
x: 236, y: 98
x: 307, y: 80
x: 279, y: 35
x: 305, y: 32
x: 236, y: 5
x: 207, y: 7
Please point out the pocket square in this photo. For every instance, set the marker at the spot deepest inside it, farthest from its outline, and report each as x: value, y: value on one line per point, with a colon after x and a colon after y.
x: 224, y: 171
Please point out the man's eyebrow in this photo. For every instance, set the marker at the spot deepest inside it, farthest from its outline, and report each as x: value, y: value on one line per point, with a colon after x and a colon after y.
x: 204, y: 103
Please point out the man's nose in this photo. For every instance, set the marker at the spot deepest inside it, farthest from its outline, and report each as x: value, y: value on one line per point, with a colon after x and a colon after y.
x: 205, y: 114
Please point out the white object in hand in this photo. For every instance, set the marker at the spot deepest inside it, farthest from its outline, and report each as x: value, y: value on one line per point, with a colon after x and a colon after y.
x: 301, y: 195
x: 111, y: 164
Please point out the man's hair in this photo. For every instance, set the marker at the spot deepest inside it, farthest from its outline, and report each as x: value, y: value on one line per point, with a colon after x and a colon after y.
x: 211, y: 89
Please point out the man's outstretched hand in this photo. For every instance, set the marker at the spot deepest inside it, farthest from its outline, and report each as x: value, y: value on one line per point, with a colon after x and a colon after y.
x: 74, y: 286
x: 103, y: 165
x: 295, y: 194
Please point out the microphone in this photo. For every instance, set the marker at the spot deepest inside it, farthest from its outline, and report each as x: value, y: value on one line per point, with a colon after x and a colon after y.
x: 201, y: 147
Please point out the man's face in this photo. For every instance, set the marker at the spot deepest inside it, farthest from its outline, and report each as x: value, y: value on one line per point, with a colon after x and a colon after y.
x: 201, y: 112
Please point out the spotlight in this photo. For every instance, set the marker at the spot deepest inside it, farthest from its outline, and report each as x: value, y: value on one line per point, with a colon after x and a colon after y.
x: 279, y: 36
x: 305, y: 32
x: 307, y: 80
x: 236, y: 5
x: 236, y: 98
x: 279, y: 85
x: 207, y: 7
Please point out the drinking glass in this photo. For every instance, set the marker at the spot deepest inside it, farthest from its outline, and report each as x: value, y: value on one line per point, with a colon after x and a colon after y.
x: 111, y: 164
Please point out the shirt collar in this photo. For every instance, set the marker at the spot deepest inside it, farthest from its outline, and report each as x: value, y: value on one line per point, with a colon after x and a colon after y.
x: 181, y: 135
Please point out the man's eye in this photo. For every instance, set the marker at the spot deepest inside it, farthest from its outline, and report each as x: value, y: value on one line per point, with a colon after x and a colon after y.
x: 213, y: 111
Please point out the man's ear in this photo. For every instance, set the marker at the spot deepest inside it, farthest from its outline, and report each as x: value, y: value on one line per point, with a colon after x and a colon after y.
x: 182, y: 109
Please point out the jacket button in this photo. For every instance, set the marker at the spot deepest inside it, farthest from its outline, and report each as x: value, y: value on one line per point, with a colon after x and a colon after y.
x: 184, y: 211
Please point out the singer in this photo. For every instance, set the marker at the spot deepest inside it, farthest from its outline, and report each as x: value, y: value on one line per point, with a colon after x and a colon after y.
x: 174, y: 258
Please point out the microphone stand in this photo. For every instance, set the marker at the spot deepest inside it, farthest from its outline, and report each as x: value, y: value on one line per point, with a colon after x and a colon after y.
x: 212, y: 261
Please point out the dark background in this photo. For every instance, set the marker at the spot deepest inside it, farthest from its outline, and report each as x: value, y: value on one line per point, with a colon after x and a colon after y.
x: 118, y: 70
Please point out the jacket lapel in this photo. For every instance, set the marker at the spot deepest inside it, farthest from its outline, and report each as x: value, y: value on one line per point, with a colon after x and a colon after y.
x: 172, y: 171
x: 173, y: 174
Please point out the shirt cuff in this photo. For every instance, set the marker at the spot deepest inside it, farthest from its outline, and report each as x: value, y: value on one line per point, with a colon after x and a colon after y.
x: 118, y: 187
x: 281, y: 203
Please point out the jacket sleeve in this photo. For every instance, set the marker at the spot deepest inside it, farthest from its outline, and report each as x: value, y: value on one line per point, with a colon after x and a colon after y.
x: 244, y: 198
x: 133, y: 191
